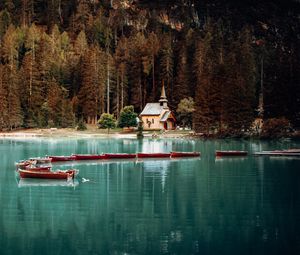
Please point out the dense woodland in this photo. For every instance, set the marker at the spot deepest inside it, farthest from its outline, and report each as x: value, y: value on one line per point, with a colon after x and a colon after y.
x: 66, y: 60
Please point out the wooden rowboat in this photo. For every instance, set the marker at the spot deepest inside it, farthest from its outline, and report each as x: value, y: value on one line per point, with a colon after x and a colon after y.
x: 41, y: 160
x: 119, y: 155
x: 231, y: 153
x: 61, y: 175
x: 24, y: 164
x: 179, y: 154
x: 89, y: 156
x: 277, y: 153
x: 41, y: 169
x: 62, y: 158
x: 153, y: 155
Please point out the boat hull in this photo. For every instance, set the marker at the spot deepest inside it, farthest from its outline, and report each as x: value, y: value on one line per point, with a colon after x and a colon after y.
x: 277, y: 154
x: 88, y: 157
x: 41, y: 160
x: 119, y: 155
x: 231, y: 153
x: 61, y: 158
x: 175, y: 154
x: 153, y: 155
x: 41, y: 169
x: 59, y: 175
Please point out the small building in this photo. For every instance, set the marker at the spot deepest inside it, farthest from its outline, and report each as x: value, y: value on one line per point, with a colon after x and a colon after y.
x: 158, y: 116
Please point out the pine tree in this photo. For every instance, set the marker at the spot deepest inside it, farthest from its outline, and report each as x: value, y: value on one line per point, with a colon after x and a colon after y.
x: 167, y: 63
x: 91, y: 94
x: 154, y: 46
x: 121, y: 58
x: 3, y: 101
x: 181, y: 85
x: 10, y: 77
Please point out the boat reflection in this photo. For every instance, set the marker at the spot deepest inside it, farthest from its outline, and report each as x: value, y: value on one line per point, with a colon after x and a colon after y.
x: 46, y: 183
x: 230, y: 159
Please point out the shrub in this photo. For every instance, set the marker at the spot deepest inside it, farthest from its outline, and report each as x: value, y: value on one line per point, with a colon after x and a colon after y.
x: 127, y: 117
x: 81, y: 125
x: 107, y: 121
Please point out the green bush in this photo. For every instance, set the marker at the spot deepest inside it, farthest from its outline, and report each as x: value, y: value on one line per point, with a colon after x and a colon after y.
x: 127, y: 117
x: 107, y: 121
x: 81, y: 125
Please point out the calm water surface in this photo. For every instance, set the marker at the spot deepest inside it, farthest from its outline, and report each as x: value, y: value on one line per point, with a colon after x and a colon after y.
x: 247, y: 205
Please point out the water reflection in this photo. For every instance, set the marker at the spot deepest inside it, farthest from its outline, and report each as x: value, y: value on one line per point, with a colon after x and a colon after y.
x: 190, y: 206
x: 46, y: 183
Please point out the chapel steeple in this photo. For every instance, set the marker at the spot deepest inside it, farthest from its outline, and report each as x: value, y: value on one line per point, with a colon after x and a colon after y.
x: 163, y: 101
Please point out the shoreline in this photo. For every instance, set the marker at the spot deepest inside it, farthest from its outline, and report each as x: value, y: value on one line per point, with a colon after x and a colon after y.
x: 89, y: 133
x: 93, y: 132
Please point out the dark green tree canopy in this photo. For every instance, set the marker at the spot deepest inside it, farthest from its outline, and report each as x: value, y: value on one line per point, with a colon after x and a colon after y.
x: 127, y: 117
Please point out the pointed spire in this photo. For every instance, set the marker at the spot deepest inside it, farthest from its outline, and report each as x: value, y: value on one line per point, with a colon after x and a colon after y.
x: 163, y: 98
x: 163, y: 92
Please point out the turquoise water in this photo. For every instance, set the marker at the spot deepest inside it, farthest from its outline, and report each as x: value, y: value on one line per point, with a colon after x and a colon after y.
x: 247, y: 205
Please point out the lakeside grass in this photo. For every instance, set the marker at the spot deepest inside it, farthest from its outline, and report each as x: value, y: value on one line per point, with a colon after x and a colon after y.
x: 91, y: 131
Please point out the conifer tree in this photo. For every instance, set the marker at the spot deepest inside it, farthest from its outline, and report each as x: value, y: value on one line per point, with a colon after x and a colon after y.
x: 91, y: 94
x: 121, y: 58
x: 181, y: 85
x: 167, y: 62
x: 3, y: 101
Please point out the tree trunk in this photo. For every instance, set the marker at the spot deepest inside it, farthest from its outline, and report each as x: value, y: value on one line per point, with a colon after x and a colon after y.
x: 118, y: 95
x: 122, y: 90
x: 108, y: 87
x: 153, y: 78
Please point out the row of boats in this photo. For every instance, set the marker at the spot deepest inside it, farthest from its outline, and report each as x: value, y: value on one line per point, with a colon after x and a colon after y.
x: 36, y: 168
x: 41, y: 168
x: 123, y: 156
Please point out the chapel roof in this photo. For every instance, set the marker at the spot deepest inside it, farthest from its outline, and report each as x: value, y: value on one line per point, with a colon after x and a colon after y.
x: 152, y: 109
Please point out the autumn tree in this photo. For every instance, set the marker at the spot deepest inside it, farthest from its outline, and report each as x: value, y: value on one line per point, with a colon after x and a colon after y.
x: 91, y: 94
x: 185, y: 111
x: 167, y: 61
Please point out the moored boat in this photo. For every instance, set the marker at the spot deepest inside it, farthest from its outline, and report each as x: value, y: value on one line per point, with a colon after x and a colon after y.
x: 231, y: 153
x: 292, y: 151
x: 89, y: 156
x: 59, y: 174
x: 35, y: 168
x: 153, y: 155
x: 277, y: 153
x: 24, y: 164
x: 179, y: 154
x: 62, y: 158
x: 119, y: 155
x: 41, y: 160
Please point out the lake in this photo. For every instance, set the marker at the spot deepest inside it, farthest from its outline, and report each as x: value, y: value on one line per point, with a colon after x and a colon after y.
x: 206, y: 205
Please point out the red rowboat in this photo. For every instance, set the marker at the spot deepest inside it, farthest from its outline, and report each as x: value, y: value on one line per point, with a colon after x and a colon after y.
x: 119, y: 155
x: 179, y: 154
x: 42, y: 169
x: 68, y: 174
x: 153, y: 155
x: 24, y: 164
x: 231, y: 153
x: 61, y: 158
x: 89, y: 156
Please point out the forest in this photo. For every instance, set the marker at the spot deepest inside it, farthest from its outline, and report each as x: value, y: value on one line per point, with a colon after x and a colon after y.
x: 62, y: 61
